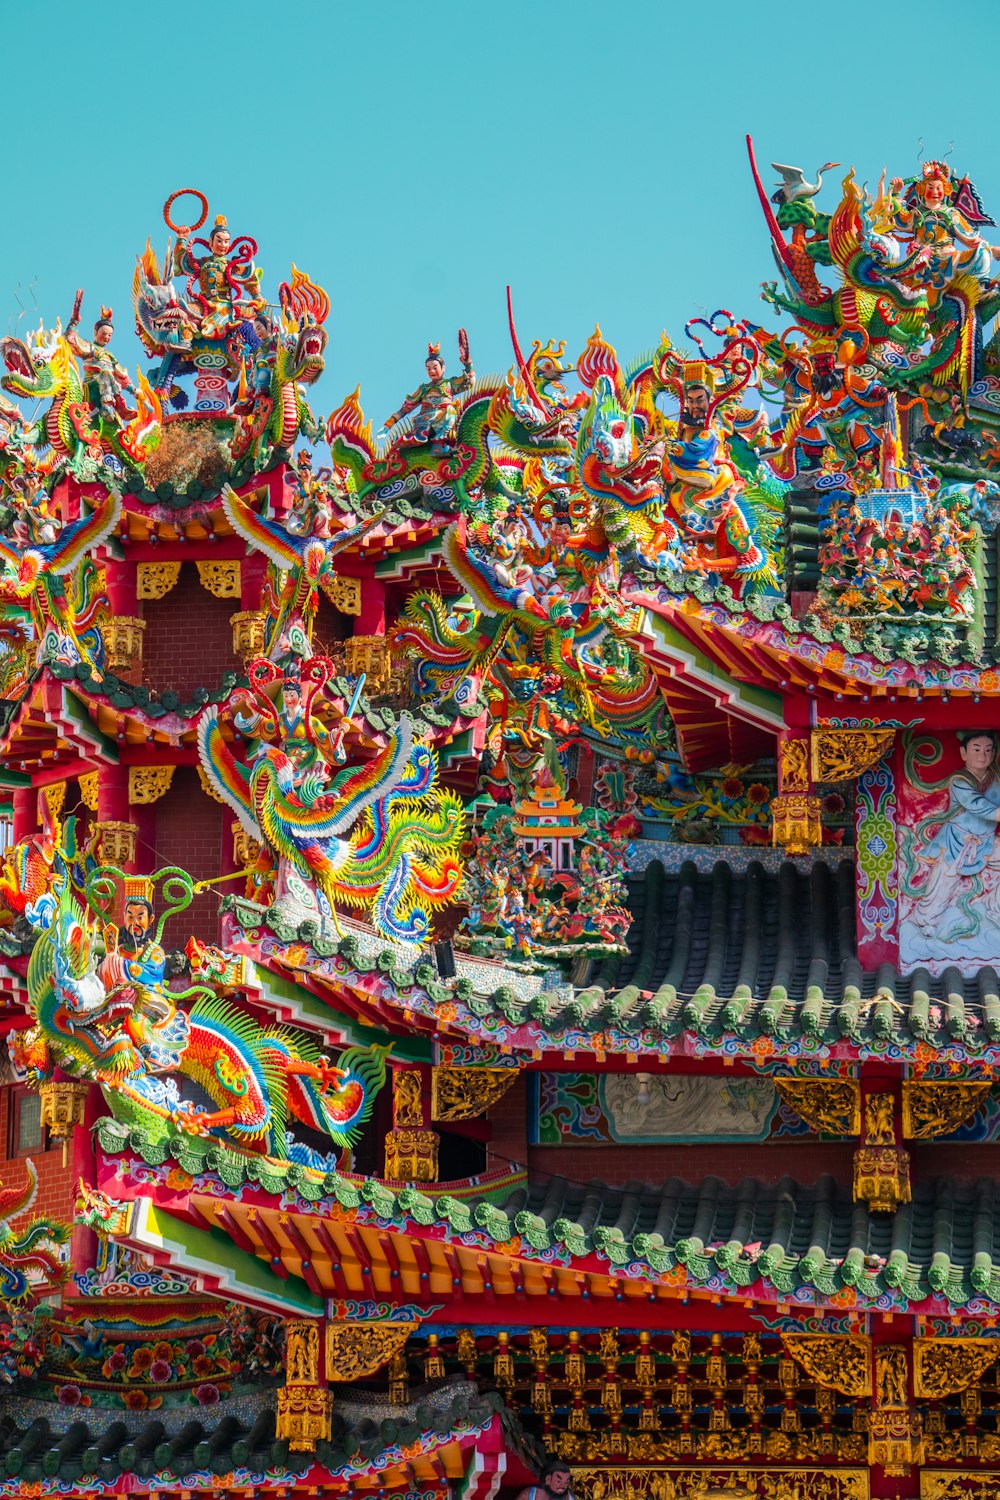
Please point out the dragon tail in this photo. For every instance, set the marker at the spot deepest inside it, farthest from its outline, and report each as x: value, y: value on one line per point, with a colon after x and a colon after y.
x: 342, y: 1112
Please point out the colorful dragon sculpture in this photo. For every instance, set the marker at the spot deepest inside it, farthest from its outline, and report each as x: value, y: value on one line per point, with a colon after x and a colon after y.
x: 275, y: 412
x: 451, y: 479
x: 74, y: 432
x: 398, y: 865
x: 543, y: 667
x: 914, y: 275
x: 32, y: 1247
x: 133, y: 1041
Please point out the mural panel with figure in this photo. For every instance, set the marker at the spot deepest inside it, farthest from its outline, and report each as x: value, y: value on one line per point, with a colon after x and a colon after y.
x: 654, y: 1108
x: 949, y: 812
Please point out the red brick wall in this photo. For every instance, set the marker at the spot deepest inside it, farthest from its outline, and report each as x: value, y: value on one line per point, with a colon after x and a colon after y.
x: 190, y: 830
x: 509, y: 1126
x: 56, y: 1187
x: 770, y: 1161
x: 330, y: 626
x: 959, y: 1159
x: 188, y: 641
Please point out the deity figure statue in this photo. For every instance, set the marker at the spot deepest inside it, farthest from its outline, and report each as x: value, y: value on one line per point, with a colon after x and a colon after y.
x: 259, y: 361
x: 312, y: 500
x: 11, y: 423
x: 704, y: 483
x: 940, y: 216
x: 399, y: 862
x: 105, y: 380
x: 435, y: 401
x: 960, y: 855
x: 134, y: 967
x: 225, y: 283
x: 556, y: 1484
x: 288, y: 722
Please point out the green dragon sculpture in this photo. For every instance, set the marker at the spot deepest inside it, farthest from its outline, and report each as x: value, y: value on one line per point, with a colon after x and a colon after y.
x: 70, y: 427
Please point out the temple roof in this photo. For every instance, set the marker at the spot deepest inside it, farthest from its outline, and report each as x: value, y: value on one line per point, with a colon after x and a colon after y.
x: 760, y: 964
x: 809, y: 1242
x: 89, y: 1451
x: 766, y: 962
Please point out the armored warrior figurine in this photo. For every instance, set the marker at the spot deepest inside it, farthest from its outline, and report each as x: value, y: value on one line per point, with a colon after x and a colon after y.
x: 106, y: 380
x: 434, y: 402
x: 221, y: 280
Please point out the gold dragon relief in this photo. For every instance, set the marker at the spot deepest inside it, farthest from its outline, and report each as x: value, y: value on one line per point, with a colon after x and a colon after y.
x: 960, y: 1484
x: 720, y: 1484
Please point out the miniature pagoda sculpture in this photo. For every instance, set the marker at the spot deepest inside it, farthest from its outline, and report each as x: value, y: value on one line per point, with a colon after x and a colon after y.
x: 545, y: 880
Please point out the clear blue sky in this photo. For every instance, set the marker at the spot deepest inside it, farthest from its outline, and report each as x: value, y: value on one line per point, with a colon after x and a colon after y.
x: 414, y: 158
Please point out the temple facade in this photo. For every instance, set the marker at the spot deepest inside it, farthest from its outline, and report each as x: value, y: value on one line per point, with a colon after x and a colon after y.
x: 499, y: 948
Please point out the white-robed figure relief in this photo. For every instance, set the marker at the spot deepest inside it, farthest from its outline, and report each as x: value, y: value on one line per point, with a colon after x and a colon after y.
x: 951, y: 869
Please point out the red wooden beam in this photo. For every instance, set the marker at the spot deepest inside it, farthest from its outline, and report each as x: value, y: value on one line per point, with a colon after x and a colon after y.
x: 301, y: 1244
x: 329, y: 1244
x: 231, y: 1226
x: 274, y: 1250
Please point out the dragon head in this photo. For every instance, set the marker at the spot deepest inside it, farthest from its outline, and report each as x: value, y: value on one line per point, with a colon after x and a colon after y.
x: 304, y: 309
x: 82, y: 1022
x: 607, y: 426
x: 162, y: 320
x: 302, y: 359
x: 608, y: 457
x: 31, y: 372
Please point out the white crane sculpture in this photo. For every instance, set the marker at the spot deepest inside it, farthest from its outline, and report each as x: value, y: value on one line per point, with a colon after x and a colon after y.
x: 793, y: 186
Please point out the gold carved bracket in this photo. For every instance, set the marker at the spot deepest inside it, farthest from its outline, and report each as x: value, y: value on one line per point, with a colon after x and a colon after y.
x: 836, y: 1361
x: 207, y: 786
x: 304, y: 1416
x: 407, y: 1097
x: 793, y: 765
x: 148, y: 784
x: 249, y: 630
x: 117, y: 842
x: 55, y: 796
x: 64, y: 1104
x: 220, y: 578
x: 943, y: 1367
x: 934, y: 1109
x: 829, y: 1105
x: 368, y: 654
x: 88, y: 790
x: 796, y: 822
x: 882, y: 1177
x: 411, y: 1155
x: 845, y: 754
x: 123, y: 641
x: 464, y: 1093
x: 344, y: 593
x: 356, y: 1350
x: 154, y: 580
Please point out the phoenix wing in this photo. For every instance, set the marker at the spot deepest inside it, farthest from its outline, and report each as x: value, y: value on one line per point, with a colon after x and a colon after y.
x: 224, y: 772
x: 284, y: 550
x: 75, y: 541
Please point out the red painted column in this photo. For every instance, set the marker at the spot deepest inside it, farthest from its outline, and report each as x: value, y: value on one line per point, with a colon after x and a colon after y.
x: 112, y: 794
x: 252, y: 570
x: 121, y: 581
x: 113, y: 807
x: 371, y: 620
x: 889, y: 1331
x: 146, y: 858
x: 25, y: 813
x: 83, y: 1241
